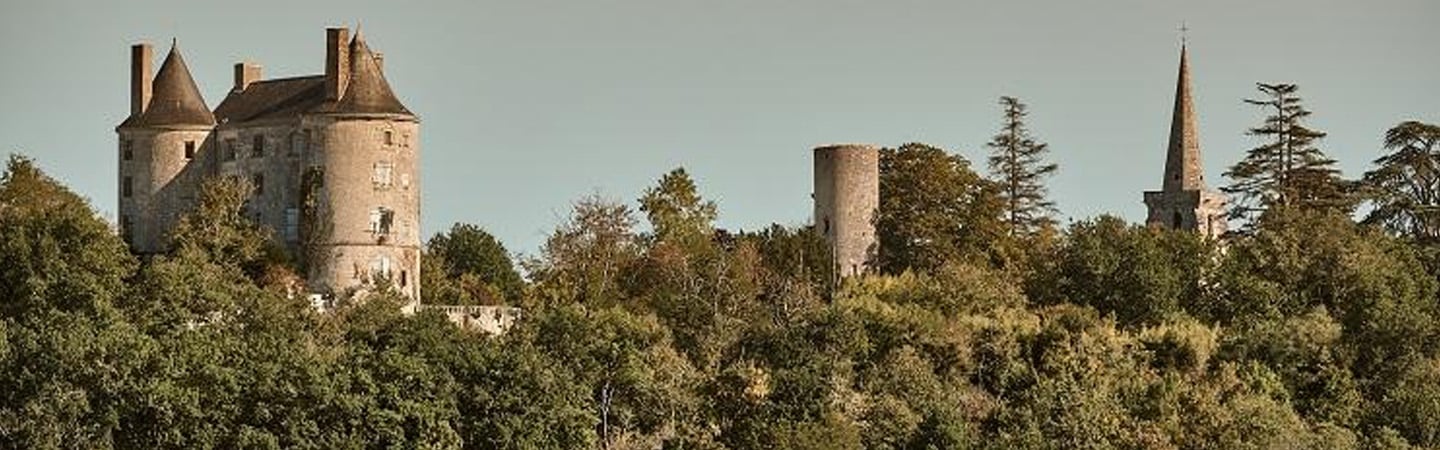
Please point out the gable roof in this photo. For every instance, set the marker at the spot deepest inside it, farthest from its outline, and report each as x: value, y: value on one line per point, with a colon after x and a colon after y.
x: 273, y: 99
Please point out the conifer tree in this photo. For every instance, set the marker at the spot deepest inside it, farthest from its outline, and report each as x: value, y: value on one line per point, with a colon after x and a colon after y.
x: 1404, y: 187
x: 1017, y: 162
x: 1288, y: 170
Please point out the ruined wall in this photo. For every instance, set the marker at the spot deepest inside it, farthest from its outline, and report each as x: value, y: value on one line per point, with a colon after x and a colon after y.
x: 847, y: 195
x: 369, y: 202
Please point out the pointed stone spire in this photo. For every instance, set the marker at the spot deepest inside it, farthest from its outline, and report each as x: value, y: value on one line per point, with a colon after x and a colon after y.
x: 175, y: 100
x: 1182, y: 160
x: 367, y: 92
x: 1183, y: 202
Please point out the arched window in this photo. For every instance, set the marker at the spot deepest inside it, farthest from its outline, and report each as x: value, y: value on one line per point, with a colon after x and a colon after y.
x: 1179, y: 220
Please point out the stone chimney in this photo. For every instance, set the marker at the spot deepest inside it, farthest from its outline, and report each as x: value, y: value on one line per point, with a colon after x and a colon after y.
x: 140, y: 77
x: 337, y: 61
x: 246, y: 73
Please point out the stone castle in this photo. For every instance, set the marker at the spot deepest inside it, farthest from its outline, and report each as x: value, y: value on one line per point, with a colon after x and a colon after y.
x: 847, y: 182
x: 331, y: 160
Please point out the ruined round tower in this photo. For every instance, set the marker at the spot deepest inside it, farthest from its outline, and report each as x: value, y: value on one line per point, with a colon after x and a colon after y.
x: 363, y: 193
x: 160, y: 147
x: 847, y: 195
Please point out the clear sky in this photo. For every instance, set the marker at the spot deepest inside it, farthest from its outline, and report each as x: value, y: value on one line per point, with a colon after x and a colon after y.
x: 528, y: 105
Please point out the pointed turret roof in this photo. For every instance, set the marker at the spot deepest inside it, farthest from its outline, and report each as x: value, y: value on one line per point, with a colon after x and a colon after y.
x: 1182, y: 159
x: 367, y: 92
x: 176, y: 99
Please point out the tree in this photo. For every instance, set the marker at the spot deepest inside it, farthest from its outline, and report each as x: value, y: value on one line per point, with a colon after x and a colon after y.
x: 1017, y: 162
x: 1405, y: 185
x: 583, y: 259
x: 1289, y: 170
x: 675, y: 209
x: 476, y: 261
x: 69, y: 363
x: 934, y: 209
x: 1140, y: 274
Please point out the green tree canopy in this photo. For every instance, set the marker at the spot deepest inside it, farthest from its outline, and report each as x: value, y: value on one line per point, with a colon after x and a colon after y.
x: 475, y: 263
x: 933, y: 210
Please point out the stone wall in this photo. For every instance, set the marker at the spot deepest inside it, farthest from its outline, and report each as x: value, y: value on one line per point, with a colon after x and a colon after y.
x: 162, y: 182
x: 847, y: 195
x: 370, y: 200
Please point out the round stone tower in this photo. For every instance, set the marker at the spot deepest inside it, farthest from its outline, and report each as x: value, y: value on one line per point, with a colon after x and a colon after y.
x: 160, y: 147
x: 847, y: 195
x: 367, y: 190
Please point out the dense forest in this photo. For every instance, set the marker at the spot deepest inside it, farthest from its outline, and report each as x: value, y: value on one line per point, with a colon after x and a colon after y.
x: 988, y: 325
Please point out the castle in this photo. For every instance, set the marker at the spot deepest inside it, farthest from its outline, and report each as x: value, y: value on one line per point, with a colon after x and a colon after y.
x: 847, y: 182
x: 331, y: 159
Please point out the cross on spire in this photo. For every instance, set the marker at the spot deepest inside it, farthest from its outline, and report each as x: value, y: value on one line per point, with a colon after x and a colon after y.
x: 1184, y: 33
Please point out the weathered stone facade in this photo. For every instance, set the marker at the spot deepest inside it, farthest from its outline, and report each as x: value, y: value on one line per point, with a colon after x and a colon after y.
x: 847, y: 196
x: 332, y: 160
x: 1184, y: 202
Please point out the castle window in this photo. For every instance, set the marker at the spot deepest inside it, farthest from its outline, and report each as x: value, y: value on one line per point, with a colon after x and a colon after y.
x: 126, y: 187
x: 380, y: 268
x: 1178, y: 220
x: 381, y: 176
x: 189, y: 150
x: 127, y: 150
x: 389, y: 138
x: 257, y: 149
x: 259, y: 184
x: 297, y: 143
x: 380, y: 220
x: 292, y: 224
x: 404, y: 279
x: 229, y: 150
x: 126, y: 229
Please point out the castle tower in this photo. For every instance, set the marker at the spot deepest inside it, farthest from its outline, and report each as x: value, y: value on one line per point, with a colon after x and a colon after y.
x: 160, y: 145
x: 368, y: 197
x: 1184, y: 202
x: 847, y: 195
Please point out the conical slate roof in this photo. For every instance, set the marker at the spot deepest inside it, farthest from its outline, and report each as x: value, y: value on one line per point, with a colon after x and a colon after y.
x: 175, y: 99
x: 1182, y: 158
x: 367, y: 92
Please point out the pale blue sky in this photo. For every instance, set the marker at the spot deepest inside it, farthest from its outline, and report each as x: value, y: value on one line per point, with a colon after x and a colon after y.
x: 527, y: 105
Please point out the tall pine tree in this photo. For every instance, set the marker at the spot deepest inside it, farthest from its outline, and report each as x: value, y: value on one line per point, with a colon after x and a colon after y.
x: 1288, y: 170
x: 1017, y: 162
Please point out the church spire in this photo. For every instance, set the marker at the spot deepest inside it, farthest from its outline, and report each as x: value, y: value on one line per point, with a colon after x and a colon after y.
x: 1182, y: 159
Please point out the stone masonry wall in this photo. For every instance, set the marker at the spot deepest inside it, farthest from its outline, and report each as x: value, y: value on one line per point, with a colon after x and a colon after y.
x: 367, y: 178
x: 162, y: 181
x: 846, y: 196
